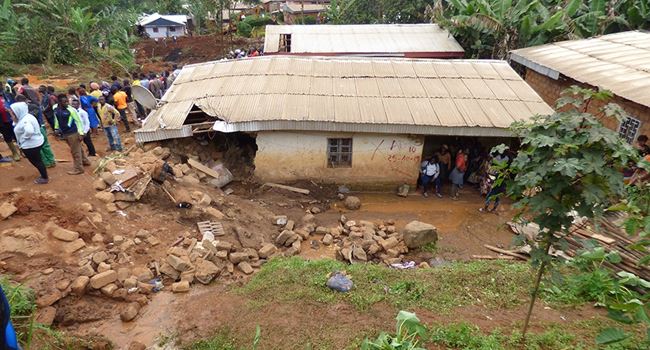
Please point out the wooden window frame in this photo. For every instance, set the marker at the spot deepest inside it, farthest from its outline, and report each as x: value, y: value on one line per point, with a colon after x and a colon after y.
x: 285, y: 43
x: 339, y: 152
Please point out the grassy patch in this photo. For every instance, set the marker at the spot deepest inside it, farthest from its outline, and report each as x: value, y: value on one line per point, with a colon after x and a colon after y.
x: 494, y: 284
x: 221, y: 341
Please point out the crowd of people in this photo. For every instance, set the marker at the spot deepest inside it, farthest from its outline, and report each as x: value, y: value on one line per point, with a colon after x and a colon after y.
x: 75, y: 116
x: 243, y: 53
x: 465, y: 164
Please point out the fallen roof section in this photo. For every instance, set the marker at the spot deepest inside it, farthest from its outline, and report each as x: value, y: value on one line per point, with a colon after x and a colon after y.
x: 363, y: 38
x: 617, y: 62
x: 386, y: 95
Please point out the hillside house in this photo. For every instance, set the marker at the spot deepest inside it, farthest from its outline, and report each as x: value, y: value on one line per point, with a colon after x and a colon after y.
x: 164, y: 26
x: 617, y: 62
x: 342, y: 119
x: 378, y: 40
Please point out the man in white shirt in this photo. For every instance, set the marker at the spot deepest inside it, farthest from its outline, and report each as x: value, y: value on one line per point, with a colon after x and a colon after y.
x: 85, y: 122
x: 430, y: 174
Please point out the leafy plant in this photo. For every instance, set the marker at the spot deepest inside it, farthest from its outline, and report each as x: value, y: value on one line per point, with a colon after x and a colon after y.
x: 569, y: 166
x: 407, y: 335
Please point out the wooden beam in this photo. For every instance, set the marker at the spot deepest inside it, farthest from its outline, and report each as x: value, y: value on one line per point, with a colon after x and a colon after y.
x: 505, y: 252
x: 288, y: 188
x: 202, y: 168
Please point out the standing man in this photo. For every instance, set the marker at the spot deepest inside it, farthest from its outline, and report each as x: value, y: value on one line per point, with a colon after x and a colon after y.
x: 108, y: 114
x: 129, y: 100
x: 7, y: 131
x: 120, y: 99
x: 68, y: 124
x: 155, y: 86
x: 116, y: 83
x: 45, y: 105
x: 83, y: 115
x: 430, y: 174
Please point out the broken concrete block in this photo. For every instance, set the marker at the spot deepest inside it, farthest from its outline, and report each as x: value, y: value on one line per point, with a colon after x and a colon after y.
x: 238, y: 257
x: 49, y: 299
x: 60, y: 233
x: 267, y: 250
x: 168, y: 270
x: 130, y: 312
x: 99, y: 185
x: 103, y: 267
x: 245, y: 267
x: 206, y: 271
x: 109, y: 289
x: 100, y: 257
x: 45, y: 316
x: 72, y: 247
x: 280, y: 220
x: 87, y: 270
x: 389, y: 243
x: 328, y: 239
x: 179, y: 264
x: 143, y: 274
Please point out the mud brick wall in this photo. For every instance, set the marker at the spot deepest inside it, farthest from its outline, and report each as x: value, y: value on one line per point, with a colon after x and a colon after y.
x: 550, y: 90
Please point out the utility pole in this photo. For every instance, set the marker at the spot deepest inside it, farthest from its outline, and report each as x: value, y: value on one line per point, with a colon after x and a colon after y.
x: 302, y: 10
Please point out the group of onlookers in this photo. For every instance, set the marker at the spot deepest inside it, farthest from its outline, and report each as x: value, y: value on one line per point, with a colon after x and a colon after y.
x: 74, y: 116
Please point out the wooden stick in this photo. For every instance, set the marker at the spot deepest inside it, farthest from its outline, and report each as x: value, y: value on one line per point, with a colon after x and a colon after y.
x: 91, y: 222
x: 179, y: 240
x: 506, y: 252
x: 288, y: 188
x: 491, y: 257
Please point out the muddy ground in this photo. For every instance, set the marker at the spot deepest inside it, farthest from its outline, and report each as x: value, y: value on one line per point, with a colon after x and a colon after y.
x: 42, y: 265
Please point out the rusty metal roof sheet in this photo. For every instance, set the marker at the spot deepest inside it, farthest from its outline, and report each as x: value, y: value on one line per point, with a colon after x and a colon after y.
x: 363, y: 39
x: 447, y: 95
x: 618, y: 62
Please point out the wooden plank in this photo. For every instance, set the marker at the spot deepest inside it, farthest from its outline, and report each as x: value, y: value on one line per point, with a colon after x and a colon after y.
x: 288, y: 188
x: 202, y: 168
x: 506, y: 252
x: 492, y: 257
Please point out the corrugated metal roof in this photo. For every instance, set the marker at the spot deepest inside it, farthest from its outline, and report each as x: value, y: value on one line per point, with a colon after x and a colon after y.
x: 618, y: 62
x: 363, y: 38
x: 312, y: 91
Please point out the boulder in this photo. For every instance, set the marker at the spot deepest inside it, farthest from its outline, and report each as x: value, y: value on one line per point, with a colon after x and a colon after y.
x: 352, y: 203
x: 101, y: 279
x: 418, y: 234
x: 206, y: 271
x: 238, y: 257
x: 130, y: 312
x: 179, y: 264
x: 7, y: 209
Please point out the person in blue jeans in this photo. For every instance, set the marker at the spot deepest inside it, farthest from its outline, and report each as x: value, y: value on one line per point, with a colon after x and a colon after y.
x: 109, y: 117
x: 430, y: 174
x: 496, y: 192
x: 8, y: 339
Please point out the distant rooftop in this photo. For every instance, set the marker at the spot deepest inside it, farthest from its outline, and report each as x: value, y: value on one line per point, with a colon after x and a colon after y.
x: 365, y: 39
x: 618, y: 62
x: 148, y: 19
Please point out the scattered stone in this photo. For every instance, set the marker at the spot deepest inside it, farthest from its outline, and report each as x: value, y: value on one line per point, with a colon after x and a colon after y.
x: 206, y: 271
x: 7, y: 209
x: 238, y: 257
x: 188, y: 276
x: 315, y: 210
x: 179, y: 264
x: 86, y: 207
x: 118, y: 239
x: 245, y: 267
x: 322, y: 230
x: 130, y: 312
x: 290, y: 225
x: 214, y: 212
x: 280, y: 220
x: 352, y: 203
x: 308, y: 219
x: 168, y: 270
x: 78, y: 286
x: 87, y: 270
x: 286, y: 237
x: 424, y: 265
x: 137, y: 346
x: 100, y: 257
x: 102, y: 267
x: 108, y: 178
x: 153, y: 241
x: 389, y: 243
x: 122, y: 205
x: 328, y: 239
x: 130, y: 283
x: 101, y: 279
x: 143, y: 274
x: 60, y: 233
x: 98, y: 238
x: 267, y: 250
x: 109, y: 289
x: 106, y: 197
x: 45, y: 316
x: 111, y: 207
x: 72, y: 247
x: 99, y: 185
x: 62, y: 284
x: 48, y: 271
x: 403, y: 190
x: 181, y: 287
x: 418, y: 234
x: 137, y: 241
x: 49, y: 299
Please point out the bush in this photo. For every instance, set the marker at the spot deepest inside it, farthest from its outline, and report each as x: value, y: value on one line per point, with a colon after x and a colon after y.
x: 244, y: 29
x: 258, y: 21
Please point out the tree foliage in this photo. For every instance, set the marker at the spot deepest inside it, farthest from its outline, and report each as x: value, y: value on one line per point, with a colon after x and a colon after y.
x: 569, y: 167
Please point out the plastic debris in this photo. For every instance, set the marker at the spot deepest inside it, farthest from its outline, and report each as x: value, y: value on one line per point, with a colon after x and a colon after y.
x: 340, y: 283
x: 403, y: 265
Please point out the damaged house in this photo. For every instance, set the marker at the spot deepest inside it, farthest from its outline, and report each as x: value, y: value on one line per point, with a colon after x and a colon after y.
x: 357, y: 121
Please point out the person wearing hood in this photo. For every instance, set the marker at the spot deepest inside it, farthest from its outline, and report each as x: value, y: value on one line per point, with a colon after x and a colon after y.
x: 30, y: 139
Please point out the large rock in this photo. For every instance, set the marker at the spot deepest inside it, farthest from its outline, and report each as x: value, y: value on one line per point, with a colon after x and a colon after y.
x: 102, y: 279
x: 180, y: 264
x: 417, y: 234
x: 352, y: 203
x: 206, y: 271
x: 60, y: 233
x: 267, y: 250
x: 181, y: 287
x: 7, y: 210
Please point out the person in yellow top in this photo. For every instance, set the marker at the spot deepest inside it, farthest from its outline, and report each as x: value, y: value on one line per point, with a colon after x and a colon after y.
x: 110, y: 116
x: 94, y: 90
x: 121, y: 104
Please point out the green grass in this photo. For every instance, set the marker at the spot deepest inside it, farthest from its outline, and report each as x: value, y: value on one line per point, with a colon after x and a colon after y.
x: 493, y: 284
x: 221, y: 341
